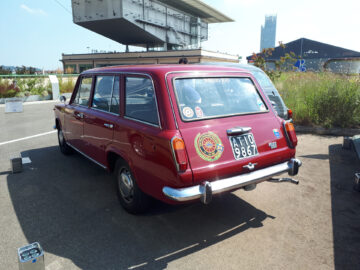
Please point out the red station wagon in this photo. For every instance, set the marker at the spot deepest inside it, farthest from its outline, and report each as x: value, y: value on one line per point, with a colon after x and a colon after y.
x: 177, y: 133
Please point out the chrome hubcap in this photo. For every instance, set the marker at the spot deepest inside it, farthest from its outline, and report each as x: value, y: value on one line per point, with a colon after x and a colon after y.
x: 126, y: 185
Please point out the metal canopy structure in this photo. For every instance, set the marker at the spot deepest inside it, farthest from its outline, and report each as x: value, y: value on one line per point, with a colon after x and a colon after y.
x: 198, y: 8
x: 172, y: 24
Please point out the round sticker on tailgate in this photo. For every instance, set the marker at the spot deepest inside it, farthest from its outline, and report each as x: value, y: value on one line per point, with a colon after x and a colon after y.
x: 208, y: 146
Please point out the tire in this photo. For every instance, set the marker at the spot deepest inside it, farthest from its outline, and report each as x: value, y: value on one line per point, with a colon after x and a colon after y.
x: 131, y: 198
x: 64, y: 148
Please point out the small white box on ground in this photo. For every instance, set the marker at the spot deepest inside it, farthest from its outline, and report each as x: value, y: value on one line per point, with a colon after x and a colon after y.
x: 13, y: 105
x: 31, y: 257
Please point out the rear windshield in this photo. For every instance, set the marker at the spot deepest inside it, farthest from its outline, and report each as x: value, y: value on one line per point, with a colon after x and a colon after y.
x: 200, y: 98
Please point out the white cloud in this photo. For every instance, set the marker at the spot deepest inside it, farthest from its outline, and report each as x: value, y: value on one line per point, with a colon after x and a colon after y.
x: 33, y: 11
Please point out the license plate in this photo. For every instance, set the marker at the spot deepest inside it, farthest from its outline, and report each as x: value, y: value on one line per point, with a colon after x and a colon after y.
x: 243, y: 146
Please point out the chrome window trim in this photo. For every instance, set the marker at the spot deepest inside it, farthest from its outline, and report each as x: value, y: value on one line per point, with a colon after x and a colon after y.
x: 171, y: 103
x: 218, y: 116
x: 140, y: 121
x: 91, y: 159
x: 92, y: 108
x: 98, y: 73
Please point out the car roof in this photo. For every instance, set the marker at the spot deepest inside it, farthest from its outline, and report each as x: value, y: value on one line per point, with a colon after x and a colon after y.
x: 235, y: 65
x: 163, y: 69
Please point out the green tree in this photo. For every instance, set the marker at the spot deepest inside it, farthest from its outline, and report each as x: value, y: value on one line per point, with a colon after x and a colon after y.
x: 285, y: 63
x: 4, y: 71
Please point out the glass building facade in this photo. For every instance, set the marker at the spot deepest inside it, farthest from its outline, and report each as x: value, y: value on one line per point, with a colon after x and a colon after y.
x: 268, y: 33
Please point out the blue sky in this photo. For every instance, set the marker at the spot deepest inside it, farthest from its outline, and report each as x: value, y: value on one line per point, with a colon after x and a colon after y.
x: 37, y: 32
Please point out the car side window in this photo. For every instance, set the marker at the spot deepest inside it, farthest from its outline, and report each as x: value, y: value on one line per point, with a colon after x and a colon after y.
x: 103, y: 93
x: 140, y: 100
x: 83, y: 92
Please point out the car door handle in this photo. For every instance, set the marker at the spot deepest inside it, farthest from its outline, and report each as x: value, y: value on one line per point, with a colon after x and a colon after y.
x: 108, y: 125
x: 238, y: 130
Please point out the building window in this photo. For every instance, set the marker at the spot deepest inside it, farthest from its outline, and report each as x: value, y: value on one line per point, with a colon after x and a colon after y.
x: 84, y: 67
x: 70, y: 69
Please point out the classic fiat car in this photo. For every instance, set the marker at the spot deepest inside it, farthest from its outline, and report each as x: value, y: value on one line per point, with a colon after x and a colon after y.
x: 177, y: 133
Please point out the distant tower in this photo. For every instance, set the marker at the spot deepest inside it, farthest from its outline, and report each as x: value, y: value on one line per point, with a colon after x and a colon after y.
x: 268, y: 33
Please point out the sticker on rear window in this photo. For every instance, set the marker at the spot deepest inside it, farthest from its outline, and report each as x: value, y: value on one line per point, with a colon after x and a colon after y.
x: 276, y: 133
x: 198, y: 111
x: 209, y: 146
x: 188, y: 112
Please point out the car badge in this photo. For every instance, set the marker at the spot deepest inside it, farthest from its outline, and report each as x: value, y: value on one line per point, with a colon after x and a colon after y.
x: 276, y: 133
x: 273, y: 145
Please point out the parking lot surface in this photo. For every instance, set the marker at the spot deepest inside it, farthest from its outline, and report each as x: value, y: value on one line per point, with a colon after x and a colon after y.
x: 69, y: 205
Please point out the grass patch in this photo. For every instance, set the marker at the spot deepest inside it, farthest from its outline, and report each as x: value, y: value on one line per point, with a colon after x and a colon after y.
x: 66, y: 85
x: 322, y: 99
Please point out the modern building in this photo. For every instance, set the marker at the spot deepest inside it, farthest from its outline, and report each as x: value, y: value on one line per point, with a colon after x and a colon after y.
x: 79, y: 62
x: 316, y: 56
x: 171, y: 24
x: 168, y: 29
x: 268, y: 33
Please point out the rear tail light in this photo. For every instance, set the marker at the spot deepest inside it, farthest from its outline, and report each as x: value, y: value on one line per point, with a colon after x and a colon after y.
x: 290, y: 113
x: 179, y: 151
x: 291, y: 134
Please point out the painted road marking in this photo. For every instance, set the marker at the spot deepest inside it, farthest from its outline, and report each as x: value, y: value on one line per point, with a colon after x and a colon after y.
x: 29, y: 137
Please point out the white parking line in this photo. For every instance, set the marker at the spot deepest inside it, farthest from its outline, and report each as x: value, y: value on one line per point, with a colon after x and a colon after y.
x: 29, y: 137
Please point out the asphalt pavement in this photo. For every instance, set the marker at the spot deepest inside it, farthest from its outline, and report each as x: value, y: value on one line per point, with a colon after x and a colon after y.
x: 69, y: 205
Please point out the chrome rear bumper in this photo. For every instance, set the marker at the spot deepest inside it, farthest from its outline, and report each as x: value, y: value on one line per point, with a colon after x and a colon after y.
x: 205, y: 190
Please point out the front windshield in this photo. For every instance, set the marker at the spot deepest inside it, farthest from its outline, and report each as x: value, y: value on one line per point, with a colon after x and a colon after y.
x: 199, y: 98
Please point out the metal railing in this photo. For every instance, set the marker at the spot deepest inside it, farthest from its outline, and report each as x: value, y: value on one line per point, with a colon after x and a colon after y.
x: 10, y: 76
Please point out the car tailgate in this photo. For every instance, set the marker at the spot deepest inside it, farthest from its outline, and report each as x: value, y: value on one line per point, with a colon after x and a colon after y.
x: 213, y: 147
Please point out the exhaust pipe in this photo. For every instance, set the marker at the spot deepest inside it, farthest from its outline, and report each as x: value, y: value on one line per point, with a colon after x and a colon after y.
x: 284, y: 180
x: 295, y: 165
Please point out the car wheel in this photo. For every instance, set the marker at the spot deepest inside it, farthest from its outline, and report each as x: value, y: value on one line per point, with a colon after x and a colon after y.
x: 130, y: 195
x: 64, y: 148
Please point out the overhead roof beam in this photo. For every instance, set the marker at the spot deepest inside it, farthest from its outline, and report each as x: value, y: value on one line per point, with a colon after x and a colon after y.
x: 198, y: 8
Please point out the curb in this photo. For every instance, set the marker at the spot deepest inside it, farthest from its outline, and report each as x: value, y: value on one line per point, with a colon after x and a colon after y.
x: 38, y: 102
x: 328, y: 131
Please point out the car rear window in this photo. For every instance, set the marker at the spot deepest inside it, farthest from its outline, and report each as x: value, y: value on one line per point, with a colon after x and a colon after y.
x: 200, y: 98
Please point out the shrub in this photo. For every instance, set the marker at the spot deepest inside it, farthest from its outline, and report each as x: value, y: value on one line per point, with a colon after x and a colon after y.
x: 66, y: 86
x: 8, y: 89
x: 34, y: 86
x: 322, y: 99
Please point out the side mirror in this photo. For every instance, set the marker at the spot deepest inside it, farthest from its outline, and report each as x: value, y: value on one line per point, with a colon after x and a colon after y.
x: 63, y: 99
